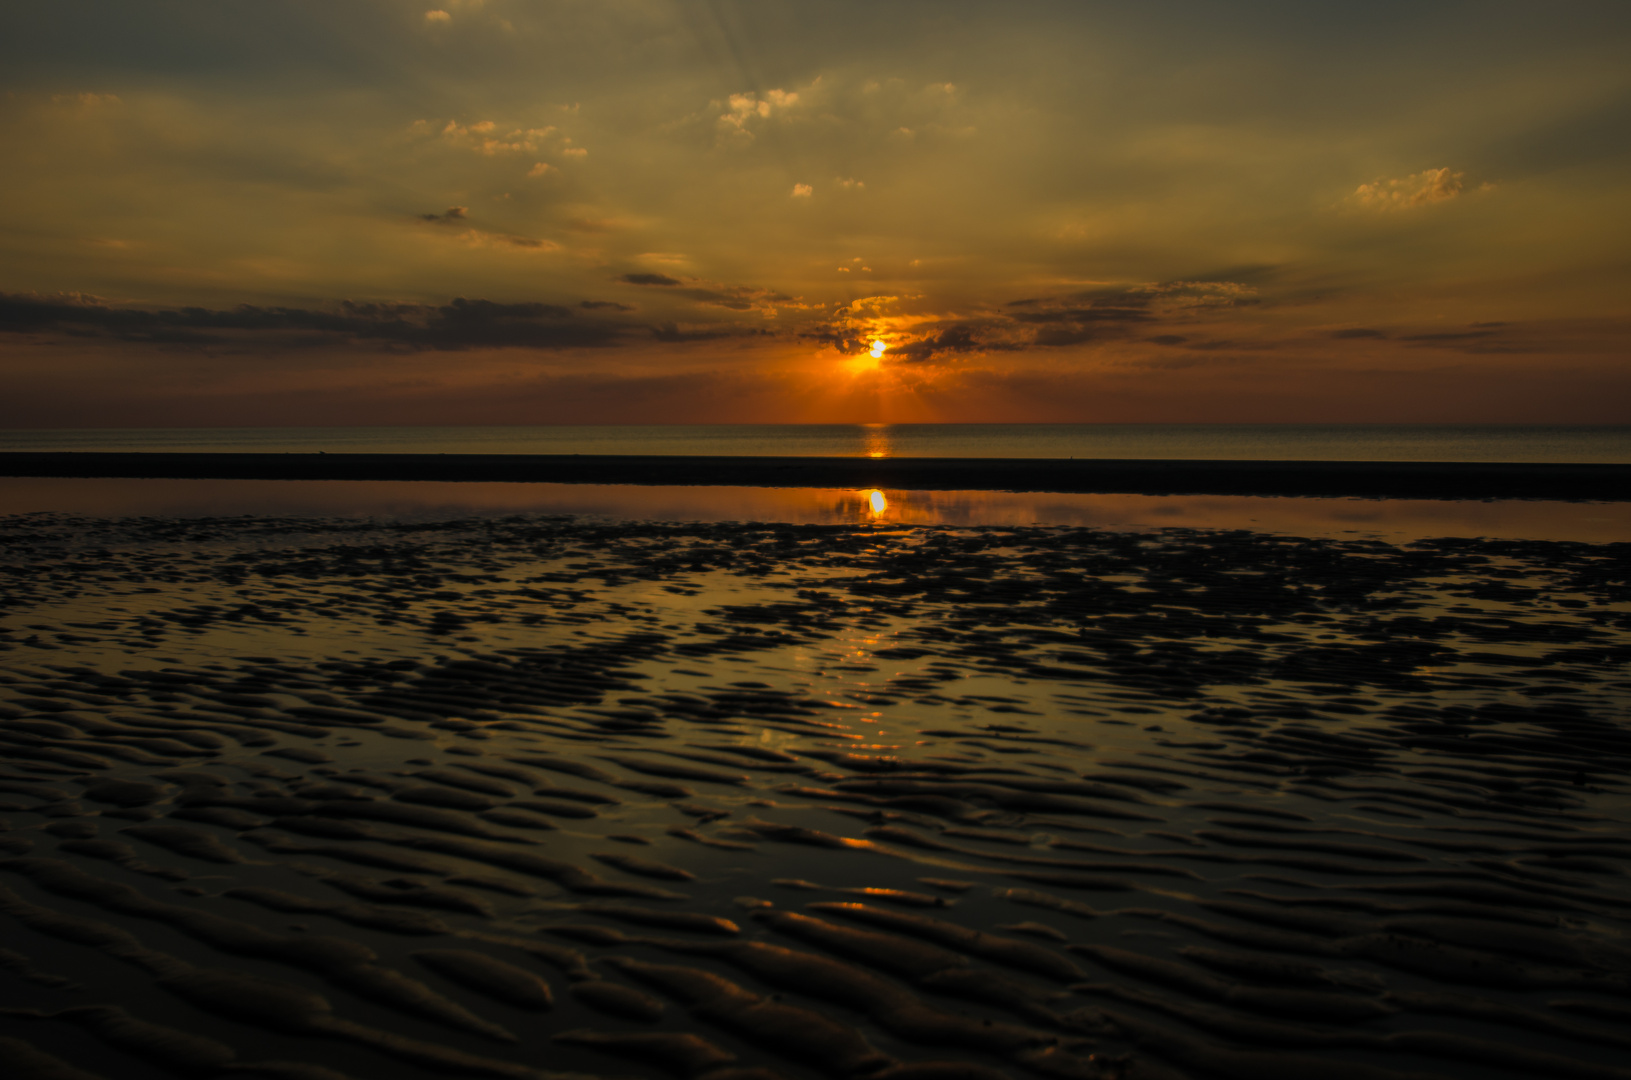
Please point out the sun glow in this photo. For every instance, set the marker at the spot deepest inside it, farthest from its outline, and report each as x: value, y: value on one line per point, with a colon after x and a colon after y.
x: 879, y: 503
x: 877, y: 349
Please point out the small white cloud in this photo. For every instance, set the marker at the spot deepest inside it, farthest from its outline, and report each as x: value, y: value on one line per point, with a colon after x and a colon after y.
x: 849, y: 184
x: 538, y: 169
x: 437, y: 18
x: 1417, y: 189
x: 802, y: 191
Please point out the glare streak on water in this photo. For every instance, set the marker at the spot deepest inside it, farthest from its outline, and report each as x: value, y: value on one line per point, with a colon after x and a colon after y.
x: 1579, y: 444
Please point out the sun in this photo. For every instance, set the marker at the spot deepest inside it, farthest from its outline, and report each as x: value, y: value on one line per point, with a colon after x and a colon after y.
x: 877, y: 349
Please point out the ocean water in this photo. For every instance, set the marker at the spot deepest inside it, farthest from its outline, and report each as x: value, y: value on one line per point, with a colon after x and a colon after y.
x: 1249, y: 442
x: 418, y: 501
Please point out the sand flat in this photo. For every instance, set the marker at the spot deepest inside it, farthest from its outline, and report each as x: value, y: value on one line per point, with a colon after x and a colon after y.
x: 525, y: 796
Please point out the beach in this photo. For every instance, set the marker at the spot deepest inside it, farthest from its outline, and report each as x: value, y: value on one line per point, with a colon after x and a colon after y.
x: 528, y: 795
x: 715, y: 540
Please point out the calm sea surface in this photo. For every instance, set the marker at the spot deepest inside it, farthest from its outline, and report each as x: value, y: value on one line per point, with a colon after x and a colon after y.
x: 1260, y: 442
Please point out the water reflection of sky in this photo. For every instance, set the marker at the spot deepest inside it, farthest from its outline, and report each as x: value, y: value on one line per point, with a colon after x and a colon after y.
x: 1396, y: 519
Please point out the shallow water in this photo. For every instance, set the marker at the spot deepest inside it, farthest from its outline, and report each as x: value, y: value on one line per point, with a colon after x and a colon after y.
x: 1569, y: 443
x: 1395, y: 520
x: 1217, y: 803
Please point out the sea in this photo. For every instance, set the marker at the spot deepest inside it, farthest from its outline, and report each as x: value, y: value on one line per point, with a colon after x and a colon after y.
x: 1393, y: 520
x: 1577, y: 444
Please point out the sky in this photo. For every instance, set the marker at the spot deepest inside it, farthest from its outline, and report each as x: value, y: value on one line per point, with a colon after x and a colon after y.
x: 267, y: 212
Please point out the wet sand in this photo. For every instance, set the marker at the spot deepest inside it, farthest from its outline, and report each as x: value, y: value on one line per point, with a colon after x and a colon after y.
x: 528, y: 796
x: 1363, y: 479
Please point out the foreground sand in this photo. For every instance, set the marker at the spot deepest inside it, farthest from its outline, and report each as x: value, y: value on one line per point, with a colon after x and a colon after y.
x: 508, y: 799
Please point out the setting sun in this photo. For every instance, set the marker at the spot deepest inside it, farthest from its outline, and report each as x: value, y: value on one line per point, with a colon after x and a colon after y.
x: 877, y: 349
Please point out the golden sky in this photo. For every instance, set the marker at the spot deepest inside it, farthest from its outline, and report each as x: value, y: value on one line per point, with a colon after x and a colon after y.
x: 517, y: 211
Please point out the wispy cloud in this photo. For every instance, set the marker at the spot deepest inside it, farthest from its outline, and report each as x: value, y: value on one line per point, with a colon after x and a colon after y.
x: 459, y: 325
x: 1418, y: 189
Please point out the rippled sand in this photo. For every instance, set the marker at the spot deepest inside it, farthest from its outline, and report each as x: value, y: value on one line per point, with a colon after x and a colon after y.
x: 516, y: 798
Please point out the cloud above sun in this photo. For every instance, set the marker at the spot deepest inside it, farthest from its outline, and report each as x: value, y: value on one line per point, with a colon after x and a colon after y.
x: 1051, y: 210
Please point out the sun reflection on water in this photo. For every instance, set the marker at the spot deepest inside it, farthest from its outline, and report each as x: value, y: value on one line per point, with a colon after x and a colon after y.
x: 879, y: 503
x: 877, y: 441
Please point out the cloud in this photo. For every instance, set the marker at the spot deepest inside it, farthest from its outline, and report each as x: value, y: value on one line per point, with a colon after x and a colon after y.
x: 1099, y: 314
x: 740, y: 112
x: 1417, y: 189
x: 538, y: 169
x: 1481, y: 339
x: 605, y: 305
x: 1478, y: 338
x: 482, y: 238
x: 1105, y: 314
x: 952, y: 341
x: 462, y: 324
x: 437, y: 18
x: 802, y: 191
x: 482, y: 138
x: 677, y: 334
x: 734, y: 297
x: 743, y: 298
x: 457, y: 215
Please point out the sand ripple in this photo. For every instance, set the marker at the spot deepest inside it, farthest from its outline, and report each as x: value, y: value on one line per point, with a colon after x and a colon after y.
x: 535, y: 798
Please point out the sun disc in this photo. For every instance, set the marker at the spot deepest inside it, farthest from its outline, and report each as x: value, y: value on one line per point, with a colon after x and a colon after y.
x: 877, y: 349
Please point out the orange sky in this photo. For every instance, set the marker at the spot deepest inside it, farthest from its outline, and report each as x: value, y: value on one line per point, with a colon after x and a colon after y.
x: 496, y: 211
